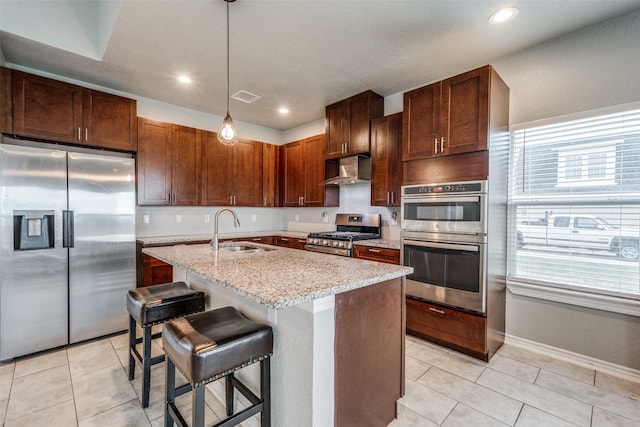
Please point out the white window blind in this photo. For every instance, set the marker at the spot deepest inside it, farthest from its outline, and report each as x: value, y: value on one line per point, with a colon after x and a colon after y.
x: 574, y: 205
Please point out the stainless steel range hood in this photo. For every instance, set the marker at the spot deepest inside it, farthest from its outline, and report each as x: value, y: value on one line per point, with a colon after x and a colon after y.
x: 348, y: 170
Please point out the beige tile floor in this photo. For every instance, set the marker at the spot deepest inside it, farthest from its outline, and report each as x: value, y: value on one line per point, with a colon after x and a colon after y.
x: 86, y: 385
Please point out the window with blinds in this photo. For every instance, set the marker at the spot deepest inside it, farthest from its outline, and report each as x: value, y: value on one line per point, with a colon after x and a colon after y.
x: 574, y: 205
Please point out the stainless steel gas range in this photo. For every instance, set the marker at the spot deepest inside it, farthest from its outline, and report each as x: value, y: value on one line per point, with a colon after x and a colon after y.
x: 349, y: 228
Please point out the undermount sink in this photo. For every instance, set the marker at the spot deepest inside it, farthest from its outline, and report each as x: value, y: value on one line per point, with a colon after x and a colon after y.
x: 243, y: 247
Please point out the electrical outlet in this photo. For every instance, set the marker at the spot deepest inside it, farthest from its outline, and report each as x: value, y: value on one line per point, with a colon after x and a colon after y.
x: 297, y: 218
x: 178, y: 219
x: 325, y: 217
x: 253, y: 218
x: 145, y: 219
x: 207, y: 218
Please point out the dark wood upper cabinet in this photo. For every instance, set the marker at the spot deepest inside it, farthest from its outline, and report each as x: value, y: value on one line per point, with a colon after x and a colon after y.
x: 246, y: 175
x: 186, y: 166
x: 292, y: 174
x: 386, y: 162
x: 348, y: 124
x: 215, y: 171
x: 154, y: 161
x: 303, y: 173
x: 421, y: 122
x: 270, y: 176
x: 448, y: 117
x: 46, y: 108
x: 231, y: 175
x: 169, y: 164
x: 314, y: 190
x: 109, y: 120
x: 49, y: 109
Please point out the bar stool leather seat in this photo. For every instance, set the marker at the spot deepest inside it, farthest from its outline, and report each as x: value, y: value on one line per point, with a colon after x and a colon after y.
x: 211, y: 345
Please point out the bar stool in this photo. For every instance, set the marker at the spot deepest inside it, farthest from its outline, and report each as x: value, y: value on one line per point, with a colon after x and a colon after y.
x: 211, y: 345
x: 153, y: 305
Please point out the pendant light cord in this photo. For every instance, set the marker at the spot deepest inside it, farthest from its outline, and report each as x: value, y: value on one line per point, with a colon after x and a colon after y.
x: 227, y: 1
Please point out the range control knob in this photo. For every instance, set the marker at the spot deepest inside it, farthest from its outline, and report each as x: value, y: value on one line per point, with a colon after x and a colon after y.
x: 326, y: 243
x: 341, y: 245
x: 335, y: 243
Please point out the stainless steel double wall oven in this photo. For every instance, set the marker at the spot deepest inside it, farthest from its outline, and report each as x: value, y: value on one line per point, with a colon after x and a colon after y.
x: 444, y: 239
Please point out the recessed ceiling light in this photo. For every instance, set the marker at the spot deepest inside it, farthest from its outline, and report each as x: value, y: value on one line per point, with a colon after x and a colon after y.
x: 184, y: 79
x: 283, y: 110
x: 503, y: 15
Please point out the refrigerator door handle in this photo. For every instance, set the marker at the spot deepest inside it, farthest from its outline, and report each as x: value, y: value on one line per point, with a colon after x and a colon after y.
x: 67, y: 229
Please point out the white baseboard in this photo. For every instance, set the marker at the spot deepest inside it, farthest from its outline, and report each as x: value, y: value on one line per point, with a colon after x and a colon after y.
x: 624, y: 372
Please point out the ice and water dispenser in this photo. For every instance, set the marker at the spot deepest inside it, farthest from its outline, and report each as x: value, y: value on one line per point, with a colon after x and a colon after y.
x: 33, y: 229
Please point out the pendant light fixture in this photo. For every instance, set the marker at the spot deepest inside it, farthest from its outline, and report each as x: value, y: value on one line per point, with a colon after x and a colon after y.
x: 228, y: 134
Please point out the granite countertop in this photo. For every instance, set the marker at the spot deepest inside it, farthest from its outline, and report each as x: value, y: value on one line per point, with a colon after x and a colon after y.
x: 281, y: 277
x: 163, y: 240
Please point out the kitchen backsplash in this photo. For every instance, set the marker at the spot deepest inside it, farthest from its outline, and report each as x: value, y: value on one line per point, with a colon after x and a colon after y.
x: 186, y: 220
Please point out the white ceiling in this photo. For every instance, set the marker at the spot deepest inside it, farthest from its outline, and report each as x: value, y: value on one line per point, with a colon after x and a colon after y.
x: 301, y: 54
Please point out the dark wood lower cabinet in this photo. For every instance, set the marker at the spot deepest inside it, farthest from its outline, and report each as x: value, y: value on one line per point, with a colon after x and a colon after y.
x: 151, y: 271
x: 156, y: 272
x: 462, y: 331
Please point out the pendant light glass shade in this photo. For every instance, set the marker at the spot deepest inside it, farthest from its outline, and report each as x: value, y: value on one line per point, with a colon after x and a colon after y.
x: 228, y: 134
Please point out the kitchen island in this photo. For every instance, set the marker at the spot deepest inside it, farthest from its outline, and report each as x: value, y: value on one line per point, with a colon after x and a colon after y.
x: 338, y: 327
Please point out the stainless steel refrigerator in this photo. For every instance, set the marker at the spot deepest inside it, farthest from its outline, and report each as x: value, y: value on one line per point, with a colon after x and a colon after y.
x: 67, y: 245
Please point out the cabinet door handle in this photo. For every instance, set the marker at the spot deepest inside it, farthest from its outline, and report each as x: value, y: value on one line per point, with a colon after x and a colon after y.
x: 79, y: 134
x: 393, y: 193
x: 442, y: 144
x: 435, y: 310
x: 284, y: 239
x: 256, y: 239
x: 265, y: 202
x: 435, y: 149
x: 302, y: 200
x: 86, y: 134
x: 375, y: 251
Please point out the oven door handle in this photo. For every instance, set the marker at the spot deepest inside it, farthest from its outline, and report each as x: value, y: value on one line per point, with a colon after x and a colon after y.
x: 469, y: 248
x: 440, y: 199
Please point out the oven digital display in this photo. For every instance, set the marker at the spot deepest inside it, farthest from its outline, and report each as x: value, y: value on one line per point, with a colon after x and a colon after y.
x: 470, y: 187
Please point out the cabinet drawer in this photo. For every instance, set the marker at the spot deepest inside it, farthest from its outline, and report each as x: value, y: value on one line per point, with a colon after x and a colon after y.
x: 267, y: 240
x: 289, y: 242
x: 463, y: 331
x: 390, y: 256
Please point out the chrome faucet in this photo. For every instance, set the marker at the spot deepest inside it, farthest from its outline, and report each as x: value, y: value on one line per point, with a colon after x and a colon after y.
x: 214, y: 242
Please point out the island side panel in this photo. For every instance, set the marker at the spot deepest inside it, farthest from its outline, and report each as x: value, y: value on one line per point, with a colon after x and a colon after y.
x: 369, y: 358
